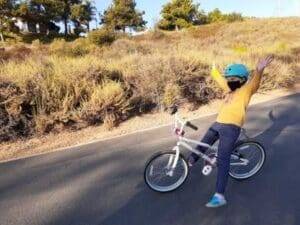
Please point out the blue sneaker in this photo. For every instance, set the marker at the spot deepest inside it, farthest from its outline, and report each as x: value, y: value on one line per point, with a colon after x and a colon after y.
x: 216, y: 201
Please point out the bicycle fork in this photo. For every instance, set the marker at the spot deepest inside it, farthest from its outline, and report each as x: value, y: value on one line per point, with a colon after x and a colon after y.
x: 173, y: 160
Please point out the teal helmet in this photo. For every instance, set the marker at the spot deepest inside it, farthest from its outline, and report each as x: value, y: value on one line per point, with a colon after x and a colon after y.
x: 237, y: 70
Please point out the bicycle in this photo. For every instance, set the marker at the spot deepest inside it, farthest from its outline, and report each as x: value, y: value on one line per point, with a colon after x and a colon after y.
x: 166, y: 171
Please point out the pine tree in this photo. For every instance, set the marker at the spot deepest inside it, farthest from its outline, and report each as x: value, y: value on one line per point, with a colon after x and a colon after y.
x: 46, y: 12
x: 6, y: 14
x: 122, y: 14
x: 179, y: 14
x: 82, y: 14
x: 216, y: 16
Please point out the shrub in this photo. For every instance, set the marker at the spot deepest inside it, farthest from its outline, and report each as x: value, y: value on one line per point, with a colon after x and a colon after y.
x: 36, y: 43
x: 165, y: 25
x: 106, y: 104
x: 171, y: 95
x: 80, y: 47
x: 30, y: 37
x: 59, y: 47
x: 157, y: 34
x: 102, y: 36
x: 3, y: 54
x: 56, y: 89
x: 41, y: 93
x: 126, y: 46
x: 182, y: 23
x: 17, y: 53
x: 21, y: 73
x: 279, y: 75
x: 204, y: 31
x: 15, y: 110
x: 215, y: 16
x: 233, y: 17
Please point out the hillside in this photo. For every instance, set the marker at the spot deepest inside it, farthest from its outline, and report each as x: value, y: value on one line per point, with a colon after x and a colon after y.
x: 50, y: 88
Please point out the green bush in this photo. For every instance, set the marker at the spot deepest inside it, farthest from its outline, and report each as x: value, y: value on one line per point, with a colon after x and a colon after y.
x: 217, y: 16
x: 80, y: 47
x: 232, y: 17
x: 182, y: 23
x: 165, y: 25
x: 102, y: 36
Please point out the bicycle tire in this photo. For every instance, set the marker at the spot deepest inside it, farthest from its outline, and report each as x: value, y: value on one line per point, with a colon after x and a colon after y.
x: 171, y: 187
x: 257, y: 168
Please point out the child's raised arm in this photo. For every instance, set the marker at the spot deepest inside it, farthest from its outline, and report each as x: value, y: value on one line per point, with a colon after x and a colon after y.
x: 255, y: 80
x: 217, y: 76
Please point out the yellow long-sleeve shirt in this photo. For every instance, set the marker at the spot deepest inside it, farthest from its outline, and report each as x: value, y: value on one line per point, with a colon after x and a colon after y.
x: 233, y: 110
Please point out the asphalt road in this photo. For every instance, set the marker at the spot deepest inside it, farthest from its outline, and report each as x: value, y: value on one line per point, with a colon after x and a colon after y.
x: 102, y: 183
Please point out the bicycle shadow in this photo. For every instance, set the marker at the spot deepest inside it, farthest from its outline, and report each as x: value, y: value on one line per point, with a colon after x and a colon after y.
x: 271, y: 197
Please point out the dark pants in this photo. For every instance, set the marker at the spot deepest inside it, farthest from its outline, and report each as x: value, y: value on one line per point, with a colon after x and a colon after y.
x: 227, y: 135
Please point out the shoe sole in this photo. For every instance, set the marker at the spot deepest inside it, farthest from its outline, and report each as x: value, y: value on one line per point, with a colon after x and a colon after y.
x: 215, y: 206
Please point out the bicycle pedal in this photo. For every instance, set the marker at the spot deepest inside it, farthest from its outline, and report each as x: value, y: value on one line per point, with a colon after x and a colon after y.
x: 207, y: 170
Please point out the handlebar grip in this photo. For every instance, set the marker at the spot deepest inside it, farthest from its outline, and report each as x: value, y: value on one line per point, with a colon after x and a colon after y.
x: 190, y: 125
x: 173, y: 110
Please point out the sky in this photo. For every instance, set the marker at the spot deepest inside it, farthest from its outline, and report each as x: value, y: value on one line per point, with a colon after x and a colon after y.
x: 257, y: 8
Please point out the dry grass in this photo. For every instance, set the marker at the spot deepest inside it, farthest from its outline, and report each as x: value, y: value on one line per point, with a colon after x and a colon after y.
x: 52, y: 142
x: 73, y: 85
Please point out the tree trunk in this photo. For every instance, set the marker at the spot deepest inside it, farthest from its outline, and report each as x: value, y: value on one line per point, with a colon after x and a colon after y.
x: 88, y: 26
x: 66, y: 26
x: 1, y: 32
x: 1, y: 37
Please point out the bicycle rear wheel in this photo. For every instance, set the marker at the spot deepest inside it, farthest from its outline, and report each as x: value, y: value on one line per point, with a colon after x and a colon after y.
x: 247, y: 159
x: 159, y: 175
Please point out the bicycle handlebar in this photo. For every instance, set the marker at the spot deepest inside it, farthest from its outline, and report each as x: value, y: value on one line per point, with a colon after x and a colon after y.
x: 192, y: 126
x: 184, y: 123
x: 173, y: 110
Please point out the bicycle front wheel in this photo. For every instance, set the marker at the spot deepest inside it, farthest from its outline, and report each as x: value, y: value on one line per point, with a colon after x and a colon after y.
x: 160, y: 175
x: 247, y: 159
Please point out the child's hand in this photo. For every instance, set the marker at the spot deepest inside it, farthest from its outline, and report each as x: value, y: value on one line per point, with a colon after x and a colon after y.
x: 214, y: 71
x: 213, y: 67
x: 263, y: 63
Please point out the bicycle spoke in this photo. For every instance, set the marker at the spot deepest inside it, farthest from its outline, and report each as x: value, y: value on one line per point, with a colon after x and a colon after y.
x: 254, y: 155
x: 160, y: 178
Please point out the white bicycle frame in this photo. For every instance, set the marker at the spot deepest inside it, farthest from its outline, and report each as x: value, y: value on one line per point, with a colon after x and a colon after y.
x: 183, y: 142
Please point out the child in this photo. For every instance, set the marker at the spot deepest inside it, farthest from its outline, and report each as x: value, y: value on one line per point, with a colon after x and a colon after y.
x: 230, y: 119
